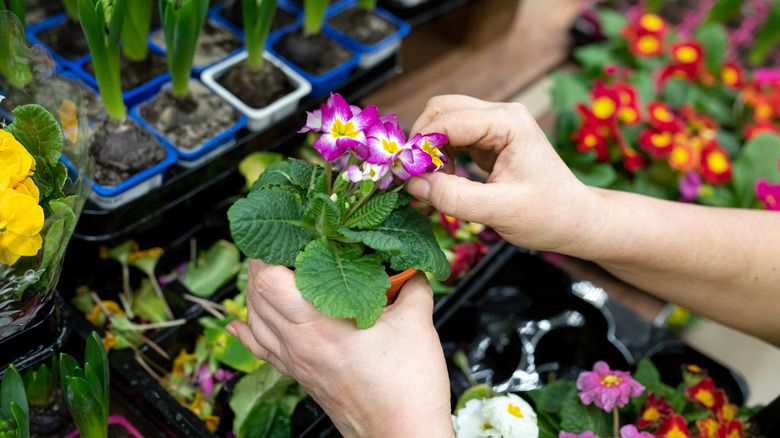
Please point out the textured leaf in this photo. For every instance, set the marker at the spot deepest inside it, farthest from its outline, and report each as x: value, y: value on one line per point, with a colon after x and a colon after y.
x: 342, y: 282
x: 324, y: 214
x: 647, y: 374
x: 553, y: 395
x: 715, y: 42
x: 593, y: 56
x: 404, y: 199
x: 214, y: 267
x: 276, y: 174
x: 373, y: 212
x: 38, y: 131
x: 578, y: 418
x: 420, y: 249
x: 373, y: 239
x: 270, y: 225
x: 304, y: 174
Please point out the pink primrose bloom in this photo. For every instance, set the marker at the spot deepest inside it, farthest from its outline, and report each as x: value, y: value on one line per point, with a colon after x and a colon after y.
x: 314, y: 118
x: 630, y: 431
x: 373, y: 172
x: 431, y: 144
x: 342, y: 129
x: 607, y: 388
x: 387, y: 144
x: 223, y: 375
x: 586, y: 434
x: 768, y: 194
x: 689, y: 186
x: 206, y: 380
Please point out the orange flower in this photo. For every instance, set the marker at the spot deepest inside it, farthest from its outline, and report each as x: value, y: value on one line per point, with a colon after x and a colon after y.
x: 715, y: 165
x: 763, y: 110
x: 731, y: 75
x: 708, y: 427
x: 683, y: 157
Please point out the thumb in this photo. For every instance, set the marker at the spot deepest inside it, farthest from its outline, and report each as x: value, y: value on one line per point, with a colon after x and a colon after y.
x: 416, y: 295
x: 456, y: 196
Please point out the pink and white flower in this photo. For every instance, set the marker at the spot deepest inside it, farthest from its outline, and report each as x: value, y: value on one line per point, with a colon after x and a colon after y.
x: 373, y: 172
x: 342, y: 127
x: 431, y: 144
x: 607, y: 388
x: 387, y: 143
x: 314, y: 118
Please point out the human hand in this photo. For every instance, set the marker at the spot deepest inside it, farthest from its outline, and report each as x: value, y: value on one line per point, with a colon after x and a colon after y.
x: 388, y: 380
x: 531, y: 197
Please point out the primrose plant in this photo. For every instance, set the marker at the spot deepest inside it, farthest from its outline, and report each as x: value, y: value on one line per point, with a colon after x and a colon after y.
x: 338, y: 228
x: 182, y: 21
x: 258, y: 19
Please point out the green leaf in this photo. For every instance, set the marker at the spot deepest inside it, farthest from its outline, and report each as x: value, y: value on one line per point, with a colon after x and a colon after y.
x: 69, y: 367
x: 553, y: 395
x: 84, y: 407
x: 22, y: 419
x: 729, y: 142
x: 578, y: 418
x: 38, y: 131
x: 645, y: 87
x: 147, y: 304
x: 324, y: 214
x: 255, y: 394
x: 767, y: 38
x: 758, y: 159
x: 478, y: 392
x: 611, y: 23
x: 135, y: 29
x: 373, y: 239
x: 96, y: 356
x: 254, y: 164
x: 647, y: 374
x: 599, y: 175
x: 39, y: 383
x: 59, y: 232
x: 594, y: 56
x: 404, y: 199
x: 567, y: 91
x: 373, y: 212
x: 715, y: 107
x: 265, y: 420
x: 342, y: 282
x: 677, y: 92
x: 420, y: 249
x: 14, y: 62
x: 566, y: 124
x: 182, y: 22
x: 277, y: 174
x: 227, y: 349
x: 213, y: 268
x: 715, y: 41
x: 305, y: 174
x: 724, y: 10
x: 270, y: 225
x: 258, y: 20
x: 12, y: 391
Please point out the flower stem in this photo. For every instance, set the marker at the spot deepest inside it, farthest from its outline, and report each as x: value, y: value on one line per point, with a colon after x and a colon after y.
x: 328, y: 177
x: 361, y: 202
x: 615, y: 422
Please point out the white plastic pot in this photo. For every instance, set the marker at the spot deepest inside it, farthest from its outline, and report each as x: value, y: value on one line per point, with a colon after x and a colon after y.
x: 258, y: 118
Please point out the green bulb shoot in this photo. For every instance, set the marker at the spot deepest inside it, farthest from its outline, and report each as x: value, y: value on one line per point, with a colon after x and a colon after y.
x: 258, y: 18
x: 182, y: 21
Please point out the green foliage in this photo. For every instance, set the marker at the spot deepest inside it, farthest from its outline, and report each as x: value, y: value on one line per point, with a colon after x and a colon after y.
x: 567, y: 91
x: 579, y: 418
x: 263, y: 403
x: 254, y: 164
x: 715, y: 42
x: 17, y: 7
x: 213, y: 268
x: 225, y: 348
x: 182, y: 21
x: 611, y: 23
x: 724, y: 10
x: 147, y: 304
x: 598, y: 175
x: 594, y: 56
x: 14, y: 62
x: 476, y: 392
x: 135, y: 30
x: 258, y: 18
x: 86, y: 390
x: 373, y: 212
x: 758, y: 159
x: 768, y: 37
x: 39, y: 382
x: 13, y: 403
x: 314, y: 15
x: 102, y: 22
x: 72, y: 8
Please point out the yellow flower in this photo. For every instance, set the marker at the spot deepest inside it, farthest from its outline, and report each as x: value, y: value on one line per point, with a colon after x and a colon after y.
x: 21, y: 221
x: 154, y: 253
x: 180, y: 361
x: 19, y: 163
x: 95, y: 315
x: 212, y: 422
x: 28, y: 187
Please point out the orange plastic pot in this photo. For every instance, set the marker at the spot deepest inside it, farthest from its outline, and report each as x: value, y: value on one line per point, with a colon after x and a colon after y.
x: 396, y: 281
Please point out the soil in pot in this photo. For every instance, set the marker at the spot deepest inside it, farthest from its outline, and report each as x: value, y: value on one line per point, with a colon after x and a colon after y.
x: 257, y: 87
x: 363, y: 25
x: 190, y: 121
x: 315, y: 54
x: 37, y: 10
x: 121, y: 150
x: 119, y: 431
x: 66, y: 39
x: 234, y: 13
x: 136, y: 73
x: 214, y: 44
x: 52, y: 420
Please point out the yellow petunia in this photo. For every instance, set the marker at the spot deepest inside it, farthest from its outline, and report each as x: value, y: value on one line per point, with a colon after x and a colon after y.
x: 21, y: 221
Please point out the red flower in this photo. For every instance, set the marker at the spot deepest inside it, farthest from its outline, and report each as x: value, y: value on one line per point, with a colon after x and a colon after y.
x: 731, y: 429
x: 731, y: 75
x: 705, y: 393
x: 452, y: 224
x: 628, y: 112
x: 632, y: 160
x: 654, y: 411
x: 758, y: 129
x: 763, y: 110
x: 684, y: 156
x: 674, y: 427
x: 606, y: 103
x: 700, y: 123
x: 663, y: 118
x: 688, y: 54
x: 657, y: 143
x: 715, y: 164
x: 467, y: 254
x: 590, y: 139
x: 646, y: 35
x: 646, y: 45
x: 652, y: 24
x: 708, y: 427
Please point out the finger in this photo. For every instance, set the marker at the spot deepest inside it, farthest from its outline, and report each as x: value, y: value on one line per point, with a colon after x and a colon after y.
x: 458, y: 197
x: 246, y: 335
x: 442, y: 104
x: 276, y: 286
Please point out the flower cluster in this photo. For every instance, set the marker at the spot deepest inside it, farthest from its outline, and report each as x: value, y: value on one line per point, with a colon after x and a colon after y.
x: 377, y: 148
x: 763, y: 100
x: 608, y: 389
x: 646, y: 35
x: 21, y: 217
x: 504, y: 416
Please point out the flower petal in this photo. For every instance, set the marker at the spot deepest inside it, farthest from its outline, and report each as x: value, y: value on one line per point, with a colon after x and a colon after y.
x: 365, y: 119
x: 354, y: 173
x: 313, y: 122
x: 341, y: 107
x: 329, y: 146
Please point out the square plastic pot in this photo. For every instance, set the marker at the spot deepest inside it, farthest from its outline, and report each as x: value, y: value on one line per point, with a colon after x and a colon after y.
x: 320, y: 84
x: 195, y: 157
x: 215, y: 14
x: 55, y: 20
x: 258, y: 118
x: 373, y: 54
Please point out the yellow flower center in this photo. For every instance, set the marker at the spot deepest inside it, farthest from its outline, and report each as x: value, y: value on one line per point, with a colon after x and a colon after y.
x: 603, y: 107
x: 342, y: 130
x: 590, y: 140
x: 514, y: 410
x: 675, y: 433
x: 391, y: 147
x: 627, y: 115
x: 651, y: 414
x: 662, y: 114
x: 706, y: 398
x: 648, y: 44
x: 611, y: 380
x: 717, y: 162
x: 734, y: 434
x: 694, y: 368
x: 764, y: 111
x: 729, y: 76
x: 728, y: 412
x: 686, y: 54
x: 661, y: 140
x: 433, y: 152
x: 651, y: 22
x: 680, y: 155
x: 486, y: 426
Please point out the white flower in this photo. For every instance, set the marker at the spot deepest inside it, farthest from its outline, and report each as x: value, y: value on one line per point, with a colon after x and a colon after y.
x: 510, y: 416
x: 470, y: 421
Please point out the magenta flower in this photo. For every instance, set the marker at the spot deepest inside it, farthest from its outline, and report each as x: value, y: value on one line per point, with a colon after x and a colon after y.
x: 431, y: 144
x: 586, y: 434
x: 607, y: 388
x: 630, y: 431
x: 768, y: 194
x: 387, y: 144
x: 690, y: 184
x: 341, y: 128
x: 223, y: 375
x: 314, y: 118
x: 206, y: 380
x: 373, y: 172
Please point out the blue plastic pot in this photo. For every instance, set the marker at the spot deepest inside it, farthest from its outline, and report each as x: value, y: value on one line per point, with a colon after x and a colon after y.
x: 296, y: 8
x: 373, y: 54
x: 215, y: 14
x: 320, y: 84
x: 131, y: 188
x: 33, y: 30
x: 137, y: 94
x: 193, y: 157
x: 198, y: 69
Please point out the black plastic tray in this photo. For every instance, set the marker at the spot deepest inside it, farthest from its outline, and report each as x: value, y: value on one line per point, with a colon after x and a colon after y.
x: 424, y: 12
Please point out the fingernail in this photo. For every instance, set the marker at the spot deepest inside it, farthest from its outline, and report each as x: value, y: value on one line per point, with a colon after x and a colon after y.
x: 419, y: 187
x: 231, y: 330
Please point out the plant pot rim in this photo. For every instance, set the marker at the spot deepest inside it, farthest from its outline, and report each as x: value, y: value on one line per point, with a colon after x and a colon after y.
x: 397, y: 281
x: 356, y: 46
